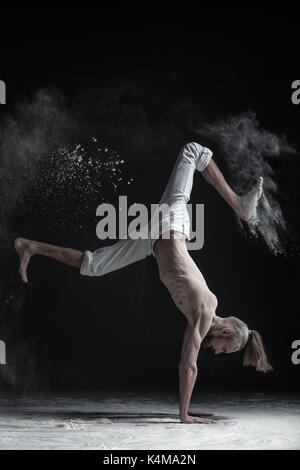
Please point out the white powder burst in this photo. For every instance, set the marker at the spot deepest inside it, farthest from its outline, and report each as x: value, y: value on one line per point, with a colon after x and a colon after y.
x: 248, y: 150
x: 73, y: 179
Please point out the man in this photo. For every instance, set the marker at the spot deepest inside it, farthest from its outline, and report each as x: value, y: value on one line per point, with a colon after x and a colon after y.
x: 177, y: 270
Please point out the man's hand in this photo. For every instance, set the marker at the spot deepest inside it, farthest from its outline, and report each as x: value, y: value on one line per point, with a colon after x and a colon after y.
x: 188, y: 419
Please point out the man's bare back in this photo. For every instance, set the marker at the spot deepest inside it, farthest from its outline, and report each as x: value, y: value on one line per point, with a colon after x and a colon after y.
x: 183, y: 279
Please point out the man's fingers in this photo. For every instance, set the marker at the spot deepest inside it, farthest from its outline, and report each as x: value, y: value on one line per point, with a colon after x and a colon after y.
x: 206, y: 421
x: 197, y: 420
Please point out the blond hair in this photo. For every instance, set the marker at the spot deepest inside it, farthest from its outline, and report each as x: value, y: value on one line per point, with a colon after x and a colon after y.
x: 251, y: 340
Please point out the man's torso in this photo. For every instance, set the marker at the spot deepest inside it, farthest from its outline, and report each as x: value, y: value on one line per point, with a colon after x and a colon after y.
x: 181, y: 276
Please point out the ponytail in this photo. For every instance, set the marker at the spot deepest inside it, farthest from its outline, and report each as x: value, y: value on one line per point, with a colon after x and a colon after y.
x: 255, y: 354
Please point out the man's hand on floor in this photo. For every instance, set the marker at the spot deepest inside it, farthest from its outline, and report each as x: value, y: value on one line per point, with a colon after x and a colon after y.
x: 189, y: 419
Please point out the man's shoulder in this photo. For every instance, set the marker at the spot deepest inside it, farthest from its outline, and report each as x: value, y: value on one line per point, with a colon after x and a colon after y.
x: 205, y: 302
x: 203, y: 315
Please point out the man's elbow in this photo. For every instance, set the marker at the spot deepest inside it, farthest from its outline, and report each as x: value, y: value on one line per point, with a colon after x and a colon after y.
x: 188, y: 367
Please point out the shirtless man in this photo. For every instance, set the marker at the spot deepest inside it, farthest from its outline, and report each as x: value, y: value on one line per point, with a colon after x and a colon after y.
x: 177, y: 271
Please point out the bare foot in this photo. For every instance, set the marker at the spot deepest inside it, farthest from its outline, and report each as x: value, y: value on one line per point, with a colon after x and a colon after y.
x: 25, y: 249
x: 247, y: 205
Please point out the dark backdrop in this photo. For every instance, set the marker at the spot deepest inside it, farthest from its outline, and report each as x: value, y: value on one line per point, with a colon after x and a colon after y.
x: 122, y: 330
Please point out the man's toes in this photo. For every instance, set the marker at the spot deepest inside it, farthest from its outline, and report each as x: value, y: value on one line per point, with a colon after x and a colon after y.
x: 24, y: 277
x: 22, y: 274
x: 23, y: 269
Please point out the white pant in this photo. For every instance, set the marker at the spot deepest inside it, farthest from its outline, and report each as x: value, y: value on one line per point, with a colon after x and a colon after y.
x: 192, y: 156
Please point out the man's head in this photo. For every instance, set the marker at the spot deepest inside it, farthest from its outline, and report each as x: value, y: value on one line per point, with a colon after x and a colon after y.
x: 230, y: 335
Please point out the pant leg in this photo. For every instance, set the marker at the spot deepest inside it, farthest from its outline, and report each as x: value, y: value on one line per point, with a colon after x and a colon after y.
x: 192, y: 156
x: 110, y: 258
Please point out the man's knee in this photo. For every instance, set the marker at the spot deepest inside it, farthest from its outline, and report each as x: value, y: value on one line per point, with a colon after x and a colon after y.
x: 192, y: 150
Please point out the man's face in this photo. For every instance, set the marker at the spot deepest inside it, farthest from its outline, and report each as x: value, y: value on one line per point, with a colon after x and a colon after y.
x: 218, y: 344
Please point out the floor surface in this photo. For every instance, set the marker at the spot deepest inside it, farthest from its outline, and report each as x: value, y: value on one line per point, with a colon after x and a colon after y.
x: 115, y: 420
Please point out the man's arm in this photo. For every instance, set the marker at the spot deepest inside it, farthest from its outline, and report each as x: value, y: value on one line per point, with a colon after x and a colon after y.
x: 188, y: 371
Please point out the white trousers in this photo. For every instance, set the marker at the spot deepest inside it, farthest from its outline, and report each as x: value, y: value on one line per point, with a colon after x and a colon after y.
x: 192, y: 156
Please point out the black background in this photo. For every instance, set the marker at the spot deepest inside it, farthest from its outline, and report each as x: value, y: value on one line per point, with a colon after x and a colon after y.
x: 123, y: 330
